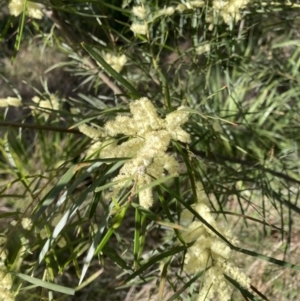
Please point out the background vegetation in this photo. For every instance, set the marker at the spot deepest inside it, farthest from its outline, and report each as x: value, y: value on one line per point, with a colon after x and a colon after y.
x: 240, y: 78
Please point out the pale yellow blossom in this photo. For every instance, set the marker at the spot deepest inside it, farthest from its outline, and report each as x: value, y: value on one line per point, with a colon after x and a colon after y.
x: 229, y: 10
x: 26, y: 223
x: 3, y: 256
x: 6, y: 281
x: 33, y: 10
x: 10, y: 101
x: 90, y: 131
x: 148, y: 139
x: 169, y: 11
x: 44, y: 107
x: 5, y: 278
x: 145, y: 194
x: 197, y: 3
x: 5, y: 286
x: 139, y: 11
x: 181, y: 7
x: 115, y: 61
x: 209, y: 253
x: 138, y: 28
x: 51, y: 103
x: 103, y: 149
x: 203, y: 48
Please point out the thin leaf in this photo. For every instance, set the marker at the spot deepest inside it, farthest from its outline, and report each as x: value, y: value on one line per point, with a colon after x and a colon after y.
x: 20, y: 31
x: 47, y: 285
x: 117, y: 76
x: 154, y: 260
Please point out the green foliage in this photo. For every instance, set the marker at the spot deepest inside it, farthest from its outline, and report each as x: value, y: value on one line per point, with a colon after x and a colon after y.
x: 239, y: 79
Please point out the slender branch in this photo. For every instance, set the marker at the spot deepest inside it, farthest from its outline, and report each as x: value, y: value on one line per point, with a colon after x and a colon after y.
x: 38, y: 127
x: 217, y: 158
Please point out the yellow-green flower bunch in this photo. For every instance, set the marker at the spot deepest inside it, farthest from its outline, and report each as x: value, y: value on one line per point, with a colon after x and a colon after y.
x: 44, y: 106
x: 148, y: 139
x: 221, y: 10
x: 10, y: 101
x: 139, y: 25
x: 33, y: 10
x: 229, y: 10
x: 211, y: 254
x: 6, y: 294
x: 117, y: 62
x: 226, y: 11
x: 142, y: 16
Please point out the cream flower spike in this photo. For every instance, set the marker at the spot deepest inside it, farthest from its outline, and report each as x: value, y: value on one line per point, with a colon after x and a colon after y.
x: 169, y: 11
x: 10, y: 101
x: 44, y: 107
x: 51, y: 103
x: 210, y: 253
x: 155, y: 135
x: 90, y: 131
x: 148, y: 139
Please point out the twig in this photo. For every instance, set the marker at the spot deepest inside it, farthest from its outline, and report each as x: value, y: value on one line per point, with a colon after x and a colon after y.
x: 38, y: 127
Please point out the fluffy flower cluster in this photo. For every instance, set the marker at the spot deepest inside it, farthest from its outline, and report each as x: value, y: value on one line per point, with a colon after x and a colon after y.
x: 26, y: 223
x: 218, y: 10
x: 116, y: 62
x: 139, y: 12
x: 5, y: 286
x: 45, y: 106
x: 52, y: 103
x: 139, y: 26
x: 169, y: 11
x: 190, y: 5
x: 33, y: 9
x: 141, y: 18
x: 5, y: 279
x: 229, y: 10
x: 148, y: 139
x: 10, y: 101
x: 211, y: 253
x: 203, y: 48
